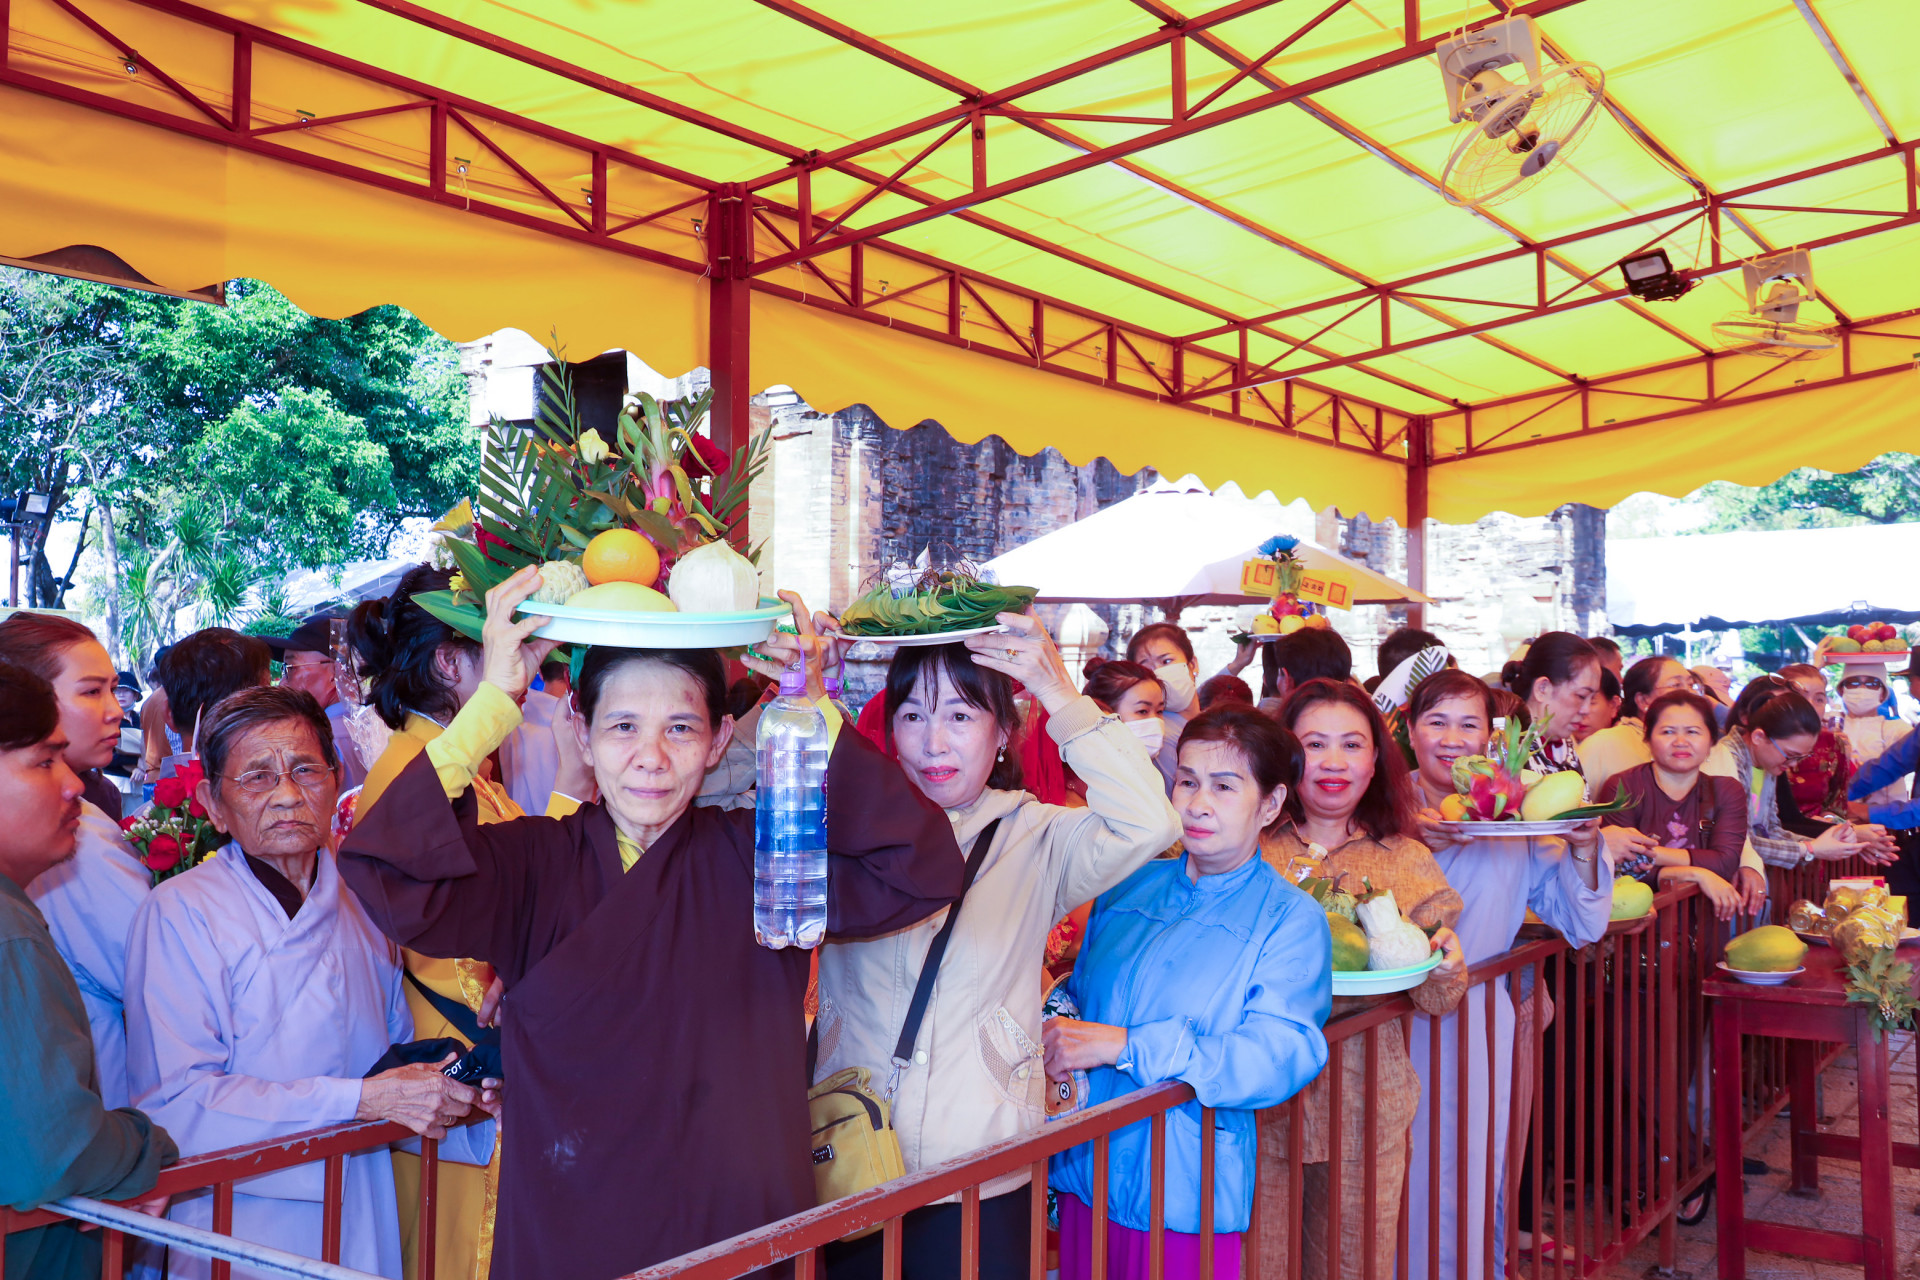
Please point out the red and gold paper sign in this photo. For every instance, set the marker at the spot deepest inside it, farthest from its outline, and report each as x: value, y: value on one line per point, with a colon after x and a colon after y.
x: 1335, y: 590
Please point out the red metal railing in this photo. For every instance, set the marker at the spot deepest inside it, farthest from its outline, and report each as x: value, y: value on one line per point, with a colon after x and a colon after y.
x: 1608, y: 1101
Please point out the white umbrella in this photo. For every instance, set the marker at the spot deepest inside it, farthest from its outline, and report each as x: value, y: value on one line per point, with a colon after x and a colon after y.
x: 1174, y: 544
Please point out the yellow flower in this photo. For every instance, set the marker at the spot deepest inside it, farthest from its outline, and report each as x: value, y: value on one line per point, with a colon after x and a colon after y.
x: 592, y: 447
x: 458, y: 582
x: 458, y: 520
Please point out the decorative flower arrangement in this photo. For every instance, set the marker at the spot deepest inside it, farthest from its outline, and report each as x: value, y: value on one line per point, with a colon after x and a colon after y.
x: 920, y: 599
x: 175, y: 834
x: 544, y: 495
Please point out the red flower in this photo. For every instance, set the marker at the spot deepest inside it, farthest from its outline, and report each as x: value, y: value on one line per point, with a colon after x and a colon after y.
x: 708, y: 459
x: 193, y: 773
x: 483, y: 540
x: 127, y: 823
x: 195, y: 808
x: 163, y: 853
x: 171, y: 793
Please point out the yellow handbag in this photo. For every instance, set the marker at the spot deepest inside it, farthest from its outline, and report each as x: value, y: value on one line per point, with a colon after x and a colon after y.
x: 854, y: 1144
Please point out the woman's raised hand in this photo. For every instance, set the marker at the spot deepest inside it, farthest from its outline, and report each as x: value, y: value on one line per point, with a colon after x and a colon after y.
x: 773, y: 656
x: 1026, y: 652
x: 510, y: 656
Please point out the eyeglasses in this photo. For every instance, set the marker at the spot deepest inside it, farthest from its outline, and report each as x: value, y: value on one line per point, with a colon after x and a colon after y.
x: 1862, y: 682
x: 1788, y: 758
x: 309, y: 777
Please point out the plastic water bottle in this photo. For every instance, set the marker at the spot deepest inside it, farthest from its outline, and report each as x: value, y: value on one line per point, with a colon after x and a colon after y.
x: 790, y: 820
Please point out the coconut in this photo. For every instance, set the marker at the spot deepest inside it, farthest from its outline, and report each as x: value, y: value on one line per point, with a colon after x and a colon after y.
x: 714, y: 578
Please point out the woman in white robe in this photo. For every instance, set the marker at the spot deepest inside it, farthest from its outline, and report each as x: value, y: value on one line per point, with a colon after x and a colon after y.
x: 255, y: 1006
x: 1571, y: 889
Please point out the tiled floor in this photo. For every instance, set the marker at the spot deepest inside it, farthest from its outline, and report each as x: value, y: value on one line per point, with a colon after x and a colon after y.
x: 1837, y: 1206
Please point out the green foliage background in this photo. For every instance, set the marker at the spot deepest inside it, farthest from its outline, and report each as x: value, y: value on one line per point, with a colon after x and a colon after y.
x: 214, y: 448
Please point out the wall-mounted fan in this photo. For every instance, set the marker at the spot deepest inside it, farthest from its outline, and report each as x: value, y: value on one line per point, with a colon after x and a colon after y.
x: 1778, y: 284
x: 1518, y: 121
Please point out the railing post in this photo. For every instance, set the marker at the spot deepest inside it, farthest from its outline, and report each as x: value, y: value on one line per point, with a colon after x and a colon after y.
x: 1157, y: 1200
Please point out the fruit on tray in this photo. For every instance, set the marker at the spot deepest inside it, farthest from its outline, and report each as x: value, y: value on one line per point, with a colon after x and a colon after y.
x: 1553, y: 795
x: 620, y: 555
x: 714, y: 578
x: 1266, y: 625
x: 1350, y: 950
x: 1768, y: 949
x: 621, y: 597
x: 1393, y: 942
x: 1868, y: 637
x: 560, y: 581
x: 1454, y: 808
x: 1631, y: 899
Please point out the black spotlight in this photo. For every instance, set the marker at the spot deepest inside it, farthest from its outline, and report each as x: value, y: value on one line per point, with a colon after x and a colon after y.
x: 1651, y: 278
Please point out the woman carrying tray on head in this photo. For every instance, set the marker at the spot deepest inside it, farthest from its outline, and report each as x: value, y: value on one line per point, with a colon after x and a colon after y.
x: 976, y: 1072
x: 1351, y: 820
x: 1568, y: 883
x: 641, y: 1005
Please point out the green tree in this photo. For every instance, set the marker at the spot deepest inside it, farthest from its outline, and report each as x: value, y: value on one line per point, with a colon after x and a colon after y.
x: 1885, y: 491
x: 209, y: 446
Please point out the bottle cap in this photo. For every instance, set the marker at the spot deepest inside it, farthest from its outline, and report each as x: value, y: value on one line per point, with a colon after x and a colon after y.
x: 833, y: 685
x: 793, y: 680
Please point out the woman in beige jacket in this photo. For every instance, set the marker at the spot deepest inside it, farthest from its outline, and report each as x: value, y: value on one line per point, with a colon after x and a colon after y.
x: 977, y: 1074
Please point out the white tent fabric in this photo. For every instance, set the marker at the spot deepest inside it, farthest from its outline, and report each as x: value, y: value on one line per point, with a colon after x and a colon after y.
x: 309, y: 589
x: 1752, y: 579
x: 1176, y: 541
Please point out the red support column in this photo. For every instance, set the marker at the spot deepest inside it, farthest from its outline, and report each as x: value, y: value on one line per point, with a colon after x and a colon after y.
x: 730, y: 320
x: 1419, y: 454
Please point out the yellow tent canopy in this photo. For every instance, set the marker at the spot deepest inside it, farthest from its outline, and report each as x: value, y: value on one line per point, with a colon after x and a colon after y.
x: 1209, y: 240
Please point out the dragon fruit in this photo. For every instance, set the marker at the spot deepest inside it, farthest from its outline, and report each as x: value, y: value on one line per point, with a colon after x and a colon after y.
x: 1392, y: 942
x: 1495, y: 786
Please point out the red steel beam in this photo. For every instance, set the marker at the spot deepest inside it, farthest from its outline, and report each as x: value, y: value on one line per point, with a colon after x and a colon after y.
x: 1221, y: 49
x: 1105, y: 155
x: 1572, y: 304
x: 1043, y: 125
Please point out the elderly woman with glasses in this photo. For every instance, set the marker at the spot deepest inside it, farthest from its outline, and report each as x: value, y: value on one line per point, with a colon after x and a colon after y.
x: 259, y: 995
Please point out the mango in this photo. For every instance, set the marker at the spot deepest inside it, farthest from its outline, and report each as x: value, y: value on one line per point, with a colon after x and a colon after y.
x: 1454, y: 808
x: 621, y: 597
x: 1631, y: 899
x: 1768, y: 949
x: 1553, y: 795
x: 1350, y: 948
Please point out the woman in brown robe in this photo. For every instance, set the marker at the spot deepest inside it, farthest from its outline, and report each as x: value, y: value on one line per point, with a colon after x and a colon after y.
x: 654, y: 1052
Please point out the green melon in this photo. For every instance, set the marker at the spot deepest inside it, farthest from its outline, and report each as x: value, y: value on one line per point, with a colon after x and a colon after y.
x: 1349, y: 944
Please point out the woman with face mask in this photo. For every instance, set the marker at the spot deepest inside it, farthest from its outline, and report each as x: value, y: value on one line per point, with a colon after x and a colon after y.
x: 976, y: 1074
x: 1165, y: 650
x: 1870, y: 735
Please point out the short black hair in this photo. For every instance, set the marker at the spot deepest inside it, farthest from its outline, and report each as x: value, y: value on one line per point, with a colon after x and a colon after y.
x: 29, y: 713
x: 236, y: 713
x: 207, y: 667
x: 989, y: 690
x: 1607, y: 646
x: 1609, y: 683
x: 1403, y: 644
x: 1311, y: 653
x: 1172, y: 632
x: 704, y: 665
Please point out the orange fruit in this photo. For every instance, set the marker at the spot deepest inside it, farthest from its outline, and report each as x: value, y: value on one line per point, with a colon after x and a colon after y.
x: 620, y: 555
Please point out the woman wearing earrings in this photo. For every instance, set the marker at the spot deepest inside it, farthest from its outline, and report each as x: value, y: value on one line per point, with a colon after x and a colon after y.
x: 977, y: 1074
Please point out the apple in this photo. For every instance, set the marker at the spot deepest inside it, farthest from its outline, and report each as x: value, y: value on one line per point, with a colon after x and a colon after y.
x: 1885, y: 631
x: 1858, y: 632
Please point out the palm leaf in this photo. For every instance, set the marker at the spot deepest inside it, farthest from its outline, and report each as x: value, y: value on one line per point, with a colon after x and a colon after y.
x: 467, y: 619
x: 482, y: 574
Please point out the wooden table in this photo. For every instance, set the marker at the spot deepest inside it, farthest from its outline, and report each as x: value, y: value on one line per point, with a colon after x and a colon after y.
x: 1810, y: 1009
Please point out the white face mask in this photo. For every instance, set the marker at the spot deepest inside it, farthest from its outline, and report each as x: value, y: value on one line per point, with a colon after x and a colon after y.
x: 1177, y: 680
x: 1861, y: 702
x: 1151, y: 732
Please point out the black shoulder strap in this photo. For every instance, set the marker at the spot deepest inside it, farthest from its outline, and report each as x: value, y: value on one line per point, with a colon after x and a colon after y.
x: 923, y: 990
x: 458, y: 1015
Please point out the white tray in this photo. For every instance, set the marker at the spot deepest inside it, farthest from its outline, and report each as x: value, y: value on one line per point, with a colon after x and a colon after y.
x: 938, y: 637
x: 1899, y: 655
x: 1820, y: 940
x: 639, y: 629
x: 1514, y: 827
x: 1379, y: 982
x: 1777, y: 978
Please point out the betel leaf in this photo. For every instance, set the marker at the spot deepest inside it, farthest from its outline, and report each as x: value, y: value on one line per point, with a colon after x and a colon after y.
x: 468, y: 619
x: 1586, y: 811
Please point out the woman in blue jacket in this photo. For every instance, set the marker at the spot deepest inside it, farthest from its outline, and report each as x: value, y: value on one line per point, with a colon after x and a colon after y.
x: 1210, y: 969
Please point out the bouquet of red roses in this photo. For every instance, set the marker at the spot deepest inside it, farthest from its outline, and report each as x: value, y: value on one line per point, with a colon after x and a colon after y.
x: 175, y: 833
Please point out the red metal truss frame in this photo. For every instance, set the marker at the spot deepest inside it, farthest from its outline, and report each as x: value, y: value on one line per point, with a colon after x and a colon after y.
x: 999, y: 104
x: 1716, y: 397
x: 585, y: 220
x: 1679, y: 218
